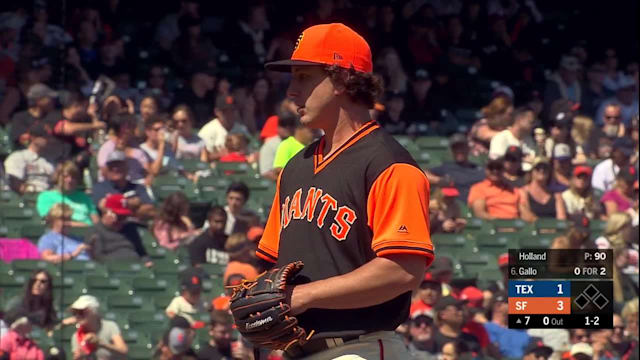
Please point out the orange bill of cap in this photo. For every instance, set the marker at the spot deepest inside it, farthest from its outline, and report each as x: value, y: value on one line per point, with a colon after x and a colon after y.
x: 328, y: 44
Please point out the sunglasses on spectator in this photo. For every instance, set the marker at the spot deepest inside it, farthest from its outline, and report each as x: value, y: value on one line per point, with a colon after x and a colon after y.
x: 157, y: 128
x: 42, y: 281
x: 422, y: 320
x: 80, y: 313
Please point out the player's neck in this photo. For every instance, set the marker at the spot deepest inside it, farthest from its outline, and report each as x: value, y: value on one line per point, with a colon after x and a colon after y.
x: 349, y: 121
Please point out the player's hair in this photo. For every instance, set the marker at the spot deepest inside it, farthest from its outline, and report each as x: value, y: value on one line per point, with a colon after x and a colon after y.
x: 239, y: 186
x: 362, y: 88
x: 216, y: 210
x: 221, y: 317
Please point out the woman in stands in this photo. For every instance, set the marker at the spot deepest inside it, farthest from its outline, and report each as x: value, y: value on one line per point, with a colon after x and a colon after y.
x: 185, y: 142
x: 579, y: 197
x: 496, y: 116
x: 37, y: 300
x: 67, y: 179
x: 56, y: 245
x: 620, y: 198
x: 538, y: 198
x: 173, y: 228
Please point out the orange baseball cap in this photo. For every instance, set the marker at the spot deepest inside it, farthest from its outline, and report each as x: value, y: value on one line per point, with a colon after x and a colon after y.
x: 328, y: 44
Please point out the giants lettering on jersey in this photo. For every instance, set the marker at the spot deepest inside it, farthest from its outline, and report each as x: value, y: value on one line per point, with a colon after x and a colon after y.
x: 303, y: 205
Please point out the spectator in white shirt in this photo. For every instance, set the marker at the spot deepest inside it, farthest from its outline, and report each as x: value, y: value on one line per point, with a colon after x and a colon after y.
x: 27, y: 170
x: 518, y: 134
x: 604, y: 174
x: 215, y: 132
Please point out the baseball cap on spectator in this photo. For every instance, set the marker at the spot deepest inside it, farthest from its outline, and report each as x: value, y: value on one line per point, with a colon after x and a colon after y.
x: 473, y: 296
x: 450, y: 191
x: 570, y: 63
x: 421, y: 74
x: 237, y: 271
x: 328, y: 44
x: 116, y: 156
x: 117, y: 204
x: 624, y: 144
x: 538, y: 348
x: 423, y: 313
x: 255, y: 233
x: 456, y: 139
x: 428, y: 278
x: 561, y: 152
x: 513, y: 153
x: 447, y: 301
x: 191, y: 280
x: 440, y: 265
x: 178, y: 338
x: 503, y: 90
x: 579, y: 222
x: 582, y: 169
x: 39, y: 91
x: 85, y: 302
x: 562, y: 112
x: 581, y: 348
x: 224, y: 102
x: 503, y: 260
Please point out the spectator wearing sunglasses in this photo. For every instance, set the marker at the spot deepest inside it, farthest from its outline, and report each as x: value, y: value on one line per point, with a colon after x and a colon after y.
x: 37, y: 300
x: 421, y: 332
x: 494, y: 198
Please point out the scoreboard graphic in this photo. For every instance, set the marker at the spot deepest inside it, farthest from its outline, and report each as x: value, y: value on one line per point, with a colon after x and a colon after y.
x: 560, y: 289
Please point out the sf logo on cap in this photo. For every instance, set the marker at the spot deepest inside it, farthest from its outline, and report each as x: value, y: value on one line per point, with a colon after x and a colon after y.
x: 298, y: 41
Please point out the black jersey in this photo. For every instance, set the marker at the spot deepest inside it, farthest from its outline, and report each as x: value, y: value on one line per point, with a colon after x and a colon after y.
x: 369, y: 198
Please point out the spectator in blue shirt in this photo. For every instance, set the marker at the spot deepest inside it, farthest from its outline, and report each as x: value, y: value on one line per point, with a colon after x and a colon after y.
x: 56, y: 246
x: 510, y: 342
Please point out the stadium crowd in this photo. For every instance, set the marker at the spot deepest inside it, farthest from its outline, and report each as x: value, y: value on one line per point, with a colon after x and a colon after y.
x: 140, y: 144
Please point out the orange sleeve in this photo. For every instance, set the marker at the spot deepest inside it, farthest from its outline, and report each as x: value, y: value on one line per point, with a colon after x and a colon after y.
x: 398, y: 212
x: 475, y: 193
x: 268, y: 245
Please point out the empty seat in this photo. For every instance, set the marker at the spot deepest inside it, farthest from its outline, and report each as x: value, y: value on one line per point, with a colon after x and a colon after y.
x: 151, y: 287
x: 102, y: 286
x: 28, y: 266
x: 126, y: 304
x: 128, y: 269
x: 551, y: 226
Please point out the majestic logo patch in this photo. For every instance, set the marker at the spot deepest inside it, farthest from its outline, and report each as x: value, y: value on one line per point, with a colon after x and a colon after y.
x: 259, y: 323
x: 337, y: 56
x: 298, y: 42
x: 403, y: 229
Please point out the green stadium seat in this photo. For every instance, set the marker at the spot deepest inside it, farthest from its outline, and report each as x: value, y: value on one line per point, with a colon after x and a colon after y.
x: 116, y: 317
x: 158, y: 253
x: 597, y: 226
x: 135, y: 337
x: 33, y: 231
x: 452, y: 243
x: 13, y: 283
x: 542, y: 241
x: 147, y: 317
x: 498, y: 243
x: 478, y: 226
x: 508, y: 225
x: 10, y: 199
x: 162, y: 301
x: 64, y: 299
x: 432, y: 142
x: 150, y: 287
x: 84, y: 267
x: 127, y: 269
x: 139, y: 352
x: 64, y: 335
x: 127, y: 304
x: 472, y: 264
x: 551, y: 226
x: 28, y: 266
x: 102, y: 286
x: 193, y: 165
x: 234, y: 168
